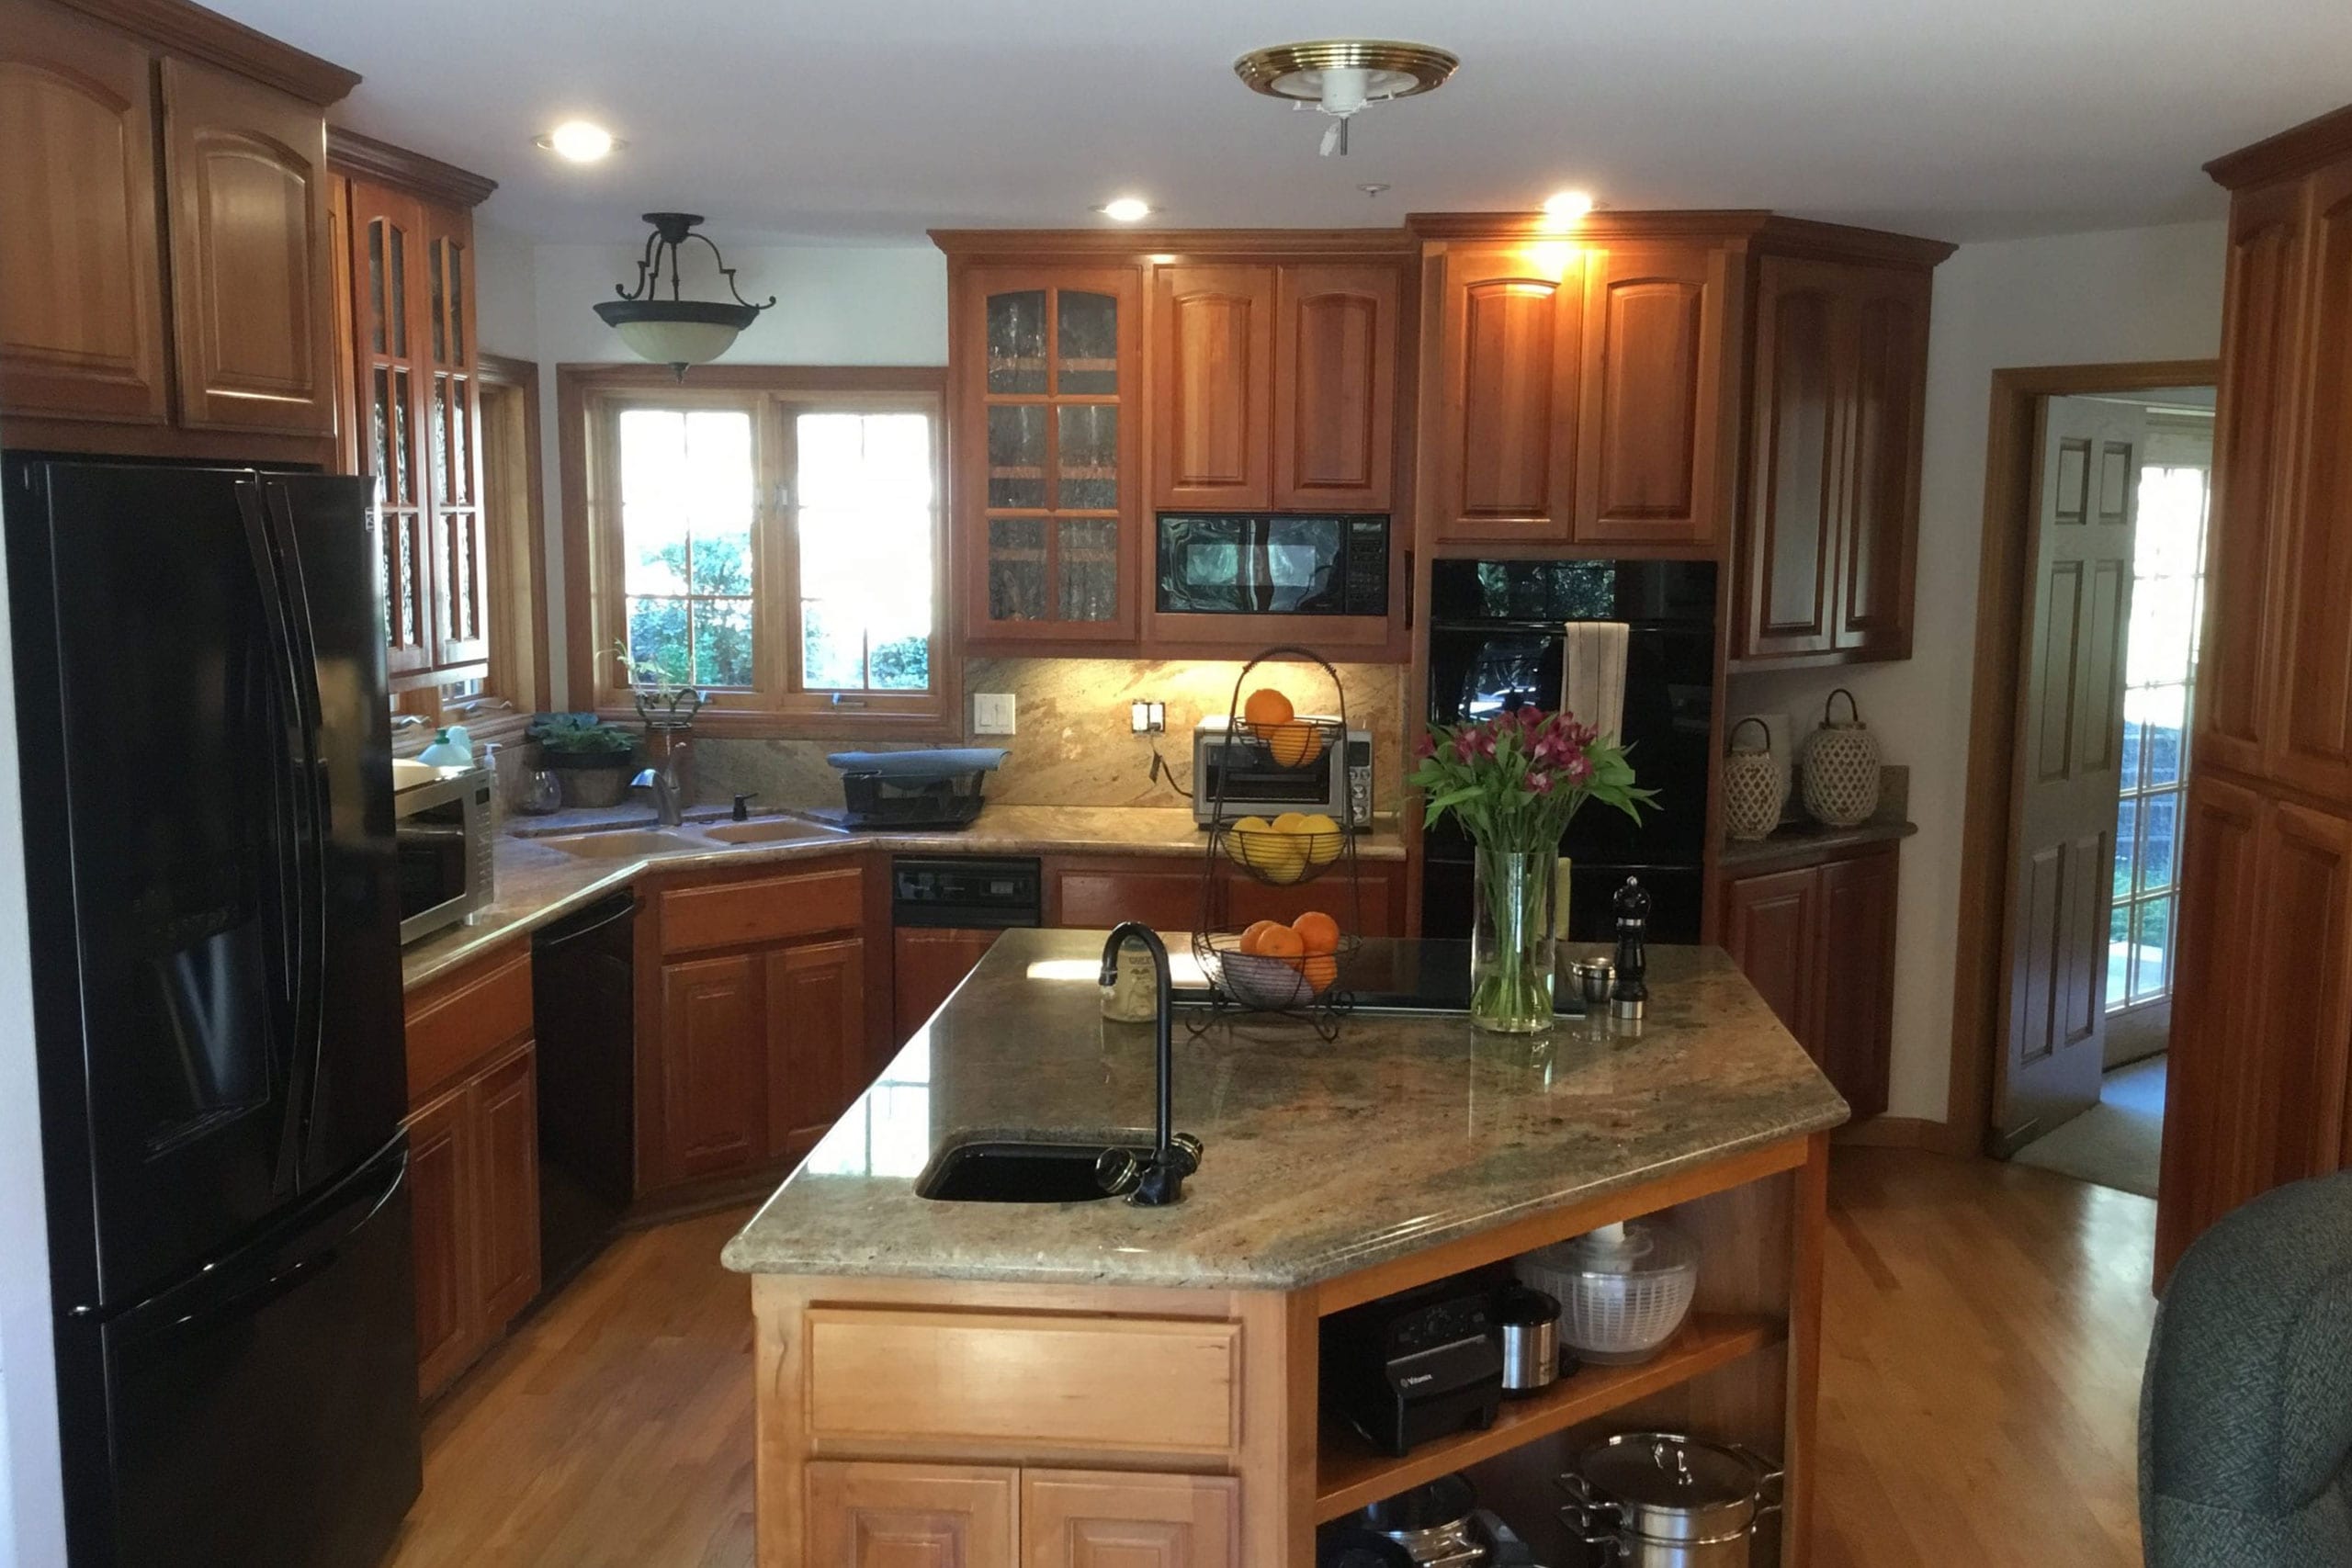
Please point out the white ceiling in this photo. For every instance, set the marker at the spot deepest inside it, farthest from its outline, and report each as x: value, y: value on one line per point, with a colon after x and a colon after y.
x: 865, y: 121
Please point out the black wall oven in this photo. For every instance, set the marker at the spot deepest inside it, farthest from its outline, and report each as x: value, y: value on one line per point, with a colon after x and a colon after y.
x: 1497, y: 642
x: 1260, y: 564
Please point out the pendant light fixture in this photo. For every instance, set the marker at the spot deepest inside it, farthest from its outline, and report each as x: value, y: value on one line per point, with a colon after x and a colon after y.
x: 676, y: 332
x: 1341, y: 78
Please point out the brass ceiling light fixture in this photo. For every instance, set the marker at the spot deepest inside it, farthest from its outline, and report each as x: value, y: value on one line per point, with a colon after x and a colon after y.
x: 676, y: 332
x: 1341, y: 78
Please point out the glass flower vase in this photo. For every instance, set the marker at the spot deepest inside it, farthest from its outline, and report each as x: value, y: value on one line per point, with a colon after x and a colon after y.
x: 1512, y: 942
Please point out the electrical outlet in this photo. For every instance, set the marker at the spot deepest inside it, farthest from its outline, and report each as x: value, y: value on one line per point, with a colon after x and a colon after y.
x: 1147, y: 718
x: 992, y: 713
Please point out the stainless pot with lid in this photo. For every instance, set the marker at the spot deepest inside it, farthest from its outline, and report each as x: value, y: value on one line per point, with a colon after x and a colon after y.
x: 1432, y: 1523
x: 1664, y: 1500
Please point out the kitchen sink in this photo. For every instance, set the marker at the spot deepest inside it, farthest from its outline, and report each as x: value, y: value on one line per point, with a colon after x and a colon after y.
x: 625, y: 843
x: 1011, y: 1171
x: 771, y: 831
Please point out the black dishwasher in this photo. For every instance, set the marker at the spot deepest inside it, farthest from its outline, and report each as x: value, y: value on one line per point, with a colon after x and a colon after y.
x: 583, y: 999
x: 945, y: 912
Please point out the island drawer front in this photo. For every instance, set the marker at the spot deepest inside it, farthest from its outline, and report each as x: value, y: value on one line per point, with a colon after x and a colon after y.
x: 773, y: 908
x: 1112, y: 1384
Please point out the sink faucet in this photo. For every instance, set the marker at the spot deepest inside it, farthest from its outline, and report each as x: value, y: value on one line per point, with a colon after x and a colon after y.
x: 1175, y: 1155
x: 667, y: 806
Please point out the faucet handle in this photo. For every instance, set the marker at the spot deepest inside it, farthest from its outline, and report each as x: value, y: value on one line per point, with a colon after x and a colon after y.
x: 743, y: 804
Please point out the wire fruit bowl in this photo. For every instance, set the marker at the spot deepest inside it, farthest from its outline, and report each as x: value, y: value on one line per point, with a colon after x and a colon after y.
x: 1298, y: 741
x: 1278, y: 856
x: 1266, y: 982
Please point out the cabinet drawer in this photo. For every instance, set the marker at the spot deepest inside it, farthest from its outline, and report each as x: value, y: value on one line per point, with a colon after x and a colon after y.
x: 773, y: 908
x: 1116, y: 1384
x: 454, y: 1025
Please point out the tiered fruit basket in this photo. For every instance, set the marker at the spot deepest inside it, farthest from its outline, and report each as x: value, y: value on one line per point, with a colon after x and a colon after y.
x: 1303, y: 973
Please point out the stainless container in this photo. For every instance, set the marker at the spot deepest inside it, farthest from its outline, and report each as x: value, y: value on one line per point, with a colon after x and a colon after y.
x: 1663, y: 1500
x: 1527, y: 1326
x: 1596, y: 975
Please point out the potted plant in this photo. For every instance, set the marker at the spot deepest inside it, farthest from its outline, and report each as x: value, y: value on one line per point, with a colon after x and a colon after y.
x: 595, y: 760
x: 1514, y: 782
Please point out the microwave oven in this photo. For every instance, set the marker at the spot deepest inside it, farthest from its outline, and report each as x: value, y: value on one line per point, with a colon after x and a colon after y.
x: 442, y: 834
x: 1262, y: 564
x: 1238, y: 775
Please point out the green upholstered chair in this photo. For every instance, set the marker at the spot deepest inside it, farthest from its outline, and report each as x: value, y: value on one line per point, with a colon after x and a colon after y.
x: 2246, y: 1416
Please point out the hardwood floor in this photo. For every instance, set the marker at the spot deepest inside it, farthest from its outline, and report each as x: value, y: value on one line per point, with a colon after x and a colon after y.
x: 1980, y: 1380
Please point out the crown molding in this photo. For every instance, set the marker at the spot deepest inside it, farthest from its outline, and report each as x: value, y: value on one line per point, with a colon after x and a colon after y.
x: 2293, y: 152
x: 192, y: 30
x: 1129, y: 244
x: 349, y: 153
x: 1735, y: 223
x: 1843, y: 242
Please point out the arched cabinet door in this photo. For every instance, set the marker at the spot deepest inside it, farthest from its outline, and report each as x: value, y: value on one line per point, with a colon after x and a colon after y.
x: 1500, y: 393
x: 1335, y: 387
x: 1214, y: 361
x: 82, y: 315
x: 245, y: 167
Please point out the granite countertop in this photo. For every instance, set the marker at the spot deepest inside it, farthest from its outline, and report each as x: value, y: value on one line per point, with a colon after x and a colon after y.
x: 1321, y: 1158
x: 538, y: 882
x: 1796, y: 842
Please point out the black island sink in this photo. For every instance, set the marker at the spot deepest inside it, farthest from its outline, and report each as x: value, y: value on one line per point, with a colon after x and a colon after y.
x: 1015, y: 1170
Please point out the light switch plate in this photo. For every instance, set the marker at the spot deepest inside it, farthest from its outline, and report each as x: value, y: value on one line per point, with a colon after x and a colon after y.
x: 991, y: 713
x: 1147, y: 718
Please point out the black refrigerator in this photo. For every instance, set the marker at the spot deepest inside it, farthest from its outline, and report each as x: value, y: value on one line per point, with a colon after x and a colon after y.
x: 207, y: 819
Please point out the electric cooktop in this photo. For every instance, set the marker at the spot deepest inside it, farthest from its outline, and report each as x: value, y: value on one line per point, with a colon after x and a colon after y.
x: 1396, y: 976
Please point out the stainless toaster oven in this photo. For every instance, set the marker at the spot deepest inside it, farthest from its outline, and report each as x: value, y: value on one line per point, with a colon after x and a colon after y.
x: 442, y: 832
x: 1239, y: 772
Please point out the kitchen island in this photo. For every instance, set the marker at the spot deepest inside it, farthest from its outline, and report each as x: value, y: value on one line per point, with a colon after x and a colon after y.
x: 991, y: 1384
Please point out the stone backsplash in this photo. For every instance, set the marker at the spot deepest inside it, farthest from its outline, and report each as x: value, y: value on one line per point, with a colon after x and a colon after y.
x: 1072, y: 745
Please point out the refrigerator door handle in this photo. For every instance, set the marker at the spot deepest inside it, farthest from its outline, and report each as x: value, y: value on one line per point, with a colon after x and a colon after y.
x: 300, y: 851
x: 309, y: 1001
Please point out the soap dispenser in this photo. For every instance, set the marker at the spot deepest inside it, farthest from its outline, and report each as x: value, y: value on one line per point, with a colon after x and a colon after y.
x: 451, y: 749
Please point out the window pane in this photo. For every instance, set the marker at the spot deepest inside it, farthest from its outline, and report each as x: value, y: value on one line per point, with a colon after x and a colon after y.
x: 2156, y: 842
x: 2125, y: 816
x: 903, y: 664
x: 2164, y: 709
x: 2133, y: 750
x: 2164, y: 611
x: 833, y: 648
x: 2172, y: 518
x: 2151, y: 976
x: 657, y: 635
x: 2119, y: 954
x: 722, y: 642
x: 722, y: 562
x: 866, y: 524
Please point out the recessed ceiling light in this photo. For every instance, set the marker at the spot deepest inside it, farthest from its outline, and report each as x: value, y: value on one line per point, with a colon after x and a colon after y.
x: 1125, y: 209
x: 580, y: 141
x: 1568, y: 206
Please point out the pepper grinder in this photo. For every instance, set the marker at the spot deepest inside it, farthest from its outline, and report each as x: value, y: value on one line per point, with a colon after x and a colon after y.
x: 1631, y: 991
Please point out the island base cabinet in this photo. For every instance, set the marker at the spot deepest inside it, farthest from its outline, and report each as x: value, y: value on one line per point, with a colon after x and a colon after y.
x: 919, y: 1515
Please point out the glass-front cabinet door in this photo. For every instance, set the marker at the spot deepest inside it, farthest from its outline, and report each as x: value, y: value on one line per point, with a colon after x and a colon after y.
x: 1049, y: 391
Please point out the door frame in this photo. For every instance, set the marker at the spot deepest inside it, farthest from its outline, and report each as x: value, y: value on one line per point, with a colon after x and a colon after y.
x: 2003, y: 562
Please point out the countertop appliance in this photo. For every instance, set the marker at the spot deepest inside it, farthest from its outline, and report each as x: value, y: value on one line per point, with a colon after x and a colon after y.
x: 1239, y: 776
x: 1527, y: 1331
x: 584, y: 1014
x: 446, y: 834
x: 933, y: 788
x: 1497, y: 642
x: 1416, y: 1365
x: 1265, y: 564
x: 945, y: 913
x: 205, y: 750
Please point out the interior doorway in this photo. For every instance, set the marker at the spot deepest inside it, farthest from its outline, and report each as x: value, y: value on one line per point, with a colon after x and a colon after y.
x: 2097, y: 501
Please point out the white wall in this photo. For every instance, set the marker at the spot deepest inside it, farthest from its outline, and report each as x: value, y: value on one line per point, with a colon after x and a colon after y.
x: 835, y: 305
x: 2133, y: 294
x: 32, y: 1520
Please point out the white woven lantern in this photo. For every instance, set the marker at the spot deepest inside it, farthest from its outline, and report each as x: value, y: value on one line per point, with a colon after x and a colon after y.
x: 1754, y: 785
x: 1842, y: 765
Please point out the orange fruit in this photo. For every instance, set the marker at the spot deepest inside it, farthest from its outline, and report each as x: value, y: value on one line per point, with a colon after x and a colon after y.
x: 1291, y: 743
x: 1321, y: 971
x: 1279, y: 941
x: 1253, y: 940
x: 1318, y: 931
x: 1267, y: 708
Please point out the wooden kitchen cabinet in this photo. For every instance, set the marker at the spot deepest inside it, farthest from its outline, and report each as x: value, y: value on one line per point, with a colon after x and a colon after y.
x: 1213, y: 385
x: 81, y: 314
x: 473, y: 1159
x: 753, y: 991
x: 1046, y: 381
x: 1095, y: 893
x: 897, y: 1515
x: 928, y: 964
x: 1830, y: 520
x: 1336, y: 332
x: 1084, y: 1519
x: 1655, y: 353
x: 246, y: 171
x: 1817, y: 941
x: 1501, y: 380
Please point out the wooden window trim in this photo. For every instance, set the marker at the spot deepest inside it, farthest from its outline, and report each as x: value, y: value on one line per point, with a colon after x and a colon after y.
x: 593, y: 598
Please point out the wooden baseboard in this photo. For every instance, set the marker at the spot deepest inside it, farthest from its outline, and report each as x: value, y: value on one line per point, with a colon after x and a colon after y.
x: 1905, y: 1133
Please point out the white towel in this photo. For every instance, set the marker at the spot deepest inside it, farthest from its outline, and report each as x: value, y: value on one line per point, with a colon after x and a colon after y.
x: 1592, y: 686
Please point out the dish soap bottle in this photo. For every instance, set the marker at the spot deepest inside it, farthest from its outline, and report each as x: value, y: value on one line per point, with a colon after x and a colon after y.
x: 451, y: 748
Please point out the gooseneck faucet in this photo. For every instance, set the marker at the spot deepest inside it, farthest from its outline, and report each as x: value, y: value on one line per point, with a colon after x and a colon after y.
x: 668, y: 796
x: 1175, y: 1155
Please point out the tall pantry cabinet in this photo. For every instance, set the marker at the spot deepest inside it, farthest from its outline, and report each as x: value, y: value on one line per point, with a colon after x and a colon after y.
x: 2262, y: 1011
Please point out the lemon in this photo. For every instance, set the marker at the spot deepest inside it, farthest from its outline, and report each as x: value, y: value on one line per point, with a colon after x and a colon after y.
x: 1291, y: 822
x: 1323, y: 845
x: 1281, y: 858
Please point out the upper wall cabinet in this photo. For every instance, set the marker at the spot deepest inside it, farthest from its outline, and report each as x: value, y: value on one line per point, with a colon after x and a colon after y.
x: 81, y: 313
x: 1831, y: 511
x: 1045, y: 369
x: 251, y: 275
x: 1213, y: 379
x: 172, y: 138
x: 1655, y: 353
x: 1500, y: 372
x: 1335, y: 386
